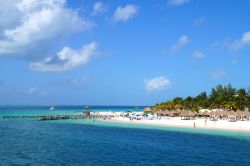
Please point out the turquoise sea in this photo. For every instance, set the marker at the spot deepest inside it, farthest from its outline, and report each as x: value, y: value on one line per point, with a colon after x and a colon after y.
x: 85, y: 142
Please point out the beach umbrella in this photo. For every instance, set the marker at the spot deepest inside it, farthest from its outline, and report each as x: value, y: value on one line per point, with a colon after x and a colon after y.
x: 245, y: 113
x: 166, y: 112
x: 183, y: 113
x: 217, y: 112
x: 171, y: 113
x: 225, y: 113
x: 159, y: 112
x: 203, y: 110
x: 232, y: 113
x: 187, y: 113
x: 248, y: 114
x: 206, y: 113
x: 174, y: 112
x: 239, y: 113
x: 194, y: 113
x: 212, y: 113
x: 177, y: 112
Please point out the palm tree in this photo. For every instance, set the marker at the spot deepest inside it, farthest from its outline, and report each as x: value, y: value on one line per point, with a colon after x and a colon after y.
x: 220, y: 97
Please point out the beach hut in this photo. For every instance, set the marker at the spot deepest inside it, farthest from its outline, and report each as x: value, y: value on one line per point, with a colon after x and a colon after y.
x: 194, y: 113
x: 203, y: 110
x: 239, y: 115
x: 232, y: 117
x: 171, y: 113
x: 206, y: 113
x: 177, y: 112
x: 213, y: 115
x: 184, y: 114
x: 166, y: 112
x: 147, y: 110
x: 187, y: 115
x: 224, y: 114
x: 159, y: 112
x: 247, y: 115
x: 218, y: 113
x: 243, y: 115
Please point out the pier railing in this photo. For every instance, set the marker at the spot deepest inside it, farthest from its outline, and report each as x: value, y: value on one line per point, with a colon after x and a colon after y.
x: 59, y: 117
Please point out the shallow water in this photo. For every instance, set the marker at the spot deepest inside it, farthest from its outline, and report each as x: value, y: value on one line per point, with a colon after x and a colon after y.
x: 85, y: 142
x: 232, y: 134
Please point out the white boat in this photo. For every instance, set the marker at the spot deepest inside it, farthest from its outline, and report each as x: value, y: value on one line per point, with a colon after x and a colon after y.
x: 52, y: 108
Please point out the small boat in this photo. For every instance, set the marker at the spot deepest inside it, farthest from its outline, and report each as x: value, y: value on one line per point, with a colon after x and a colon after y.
x: 86, y: 107
x: 52, y: 108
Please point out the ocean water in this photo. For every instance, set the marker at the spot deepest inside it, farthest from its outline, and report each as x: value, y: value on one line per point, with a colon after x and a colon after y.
x: 84, y: 142
x: 45, y: 110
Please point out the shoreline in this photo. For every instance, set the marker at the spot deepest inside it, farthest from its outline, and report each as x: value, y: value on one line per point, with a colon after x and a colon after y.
x: 221, y: 125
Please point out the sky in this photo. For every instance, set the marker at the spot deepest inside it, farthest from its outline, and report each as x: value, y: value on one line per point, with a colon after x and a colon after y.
x: 128, y: 52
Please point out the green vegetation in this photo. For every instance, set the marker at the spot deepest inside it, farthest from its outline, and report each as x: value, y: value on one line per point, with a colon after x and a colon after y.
x: 224, y: 97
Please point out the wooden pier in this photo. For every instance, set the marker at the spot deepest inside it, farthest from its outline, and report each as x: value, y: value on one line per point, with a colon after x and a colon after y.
x: 59, y: 117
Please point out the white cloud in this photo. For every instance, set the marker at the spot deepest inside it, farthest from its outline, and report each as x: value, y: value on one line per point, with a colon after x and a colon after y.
x: 198, y: 55
x: 199, y: 21
x: 125, y: 13
x: 218, y: 74
x: 226, y: 43
x: 182, y: 41
x: 37, y: 91
x: 66, y: 59
x: 244, y: 41
x: 34, y: 24
x: 99, y: 7
x: 177, y: 2
x: 77, y: 82
x: 33, y: 90
x: 156, y: 84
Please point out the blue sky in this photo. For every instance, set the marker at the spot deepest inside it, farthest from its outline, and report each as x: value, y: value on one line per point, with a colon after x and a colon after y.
x: 120, y: 52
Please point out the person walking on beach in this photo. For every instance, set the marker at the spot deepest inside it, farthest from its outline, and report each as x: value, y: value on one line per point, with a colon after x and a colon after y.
x: 194, y: 124
x: 205, y: 121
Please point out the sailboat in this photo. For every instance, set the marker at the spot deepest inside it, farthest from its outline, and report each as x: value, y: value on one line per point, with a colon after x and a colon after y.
x: 52, y: 108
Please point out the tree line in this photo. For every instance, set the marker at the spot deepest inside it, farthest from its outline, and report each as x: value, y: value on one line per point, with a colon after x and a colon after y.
x: 223, y: 97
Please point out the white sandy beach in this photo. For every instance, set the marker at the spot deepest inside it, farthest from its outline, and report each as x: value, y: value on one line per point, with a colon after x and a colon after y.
x: 243, y: 126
